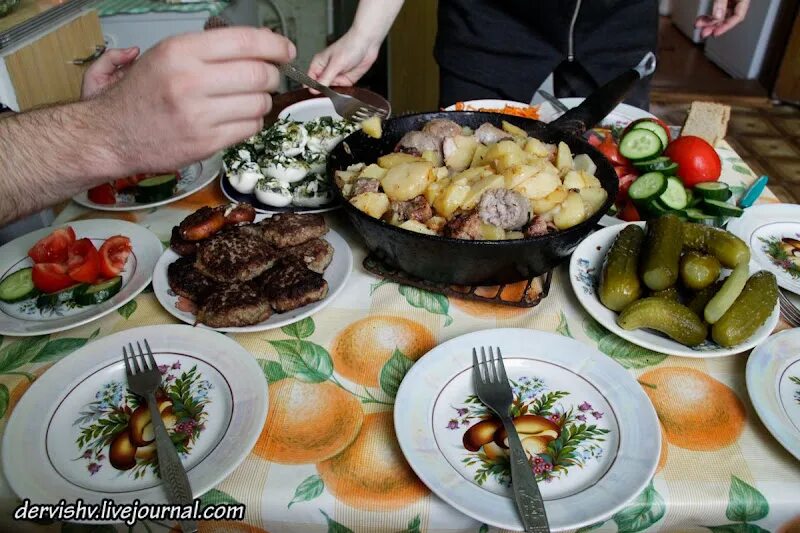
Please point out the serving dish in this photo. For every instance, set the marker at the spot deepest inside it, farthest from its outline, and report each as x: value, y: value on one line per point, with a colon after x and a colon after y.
x: 611, y: 463
x: 584, y: 271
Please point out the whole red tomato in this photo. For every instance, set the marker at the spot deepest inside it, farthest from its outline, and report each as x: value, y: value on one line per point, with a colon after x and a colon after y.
x: 697, y: 160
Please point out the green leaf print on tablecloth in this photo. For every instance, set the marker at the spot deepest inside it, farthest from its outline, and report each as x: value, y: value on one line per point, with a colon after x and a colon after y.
x: 625, y: 353
x: 738, y: 528
x: 5, y: 397
x: 438, y: 304
x: 273, y: 370
x: 393, y: 372
x: 300, y: 330
x: 308, y: 489
x: 217, y: 497
x: 128, y: 309
x: 334, y: 526
x: 745, y: 504
x: 413, y: 525
x: 563, y: 326
x: 643, y: 512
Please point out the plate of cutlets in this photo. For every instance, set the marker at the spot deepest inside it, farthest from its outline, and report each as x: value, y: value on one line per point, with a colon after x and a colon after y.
x: 233, y: 270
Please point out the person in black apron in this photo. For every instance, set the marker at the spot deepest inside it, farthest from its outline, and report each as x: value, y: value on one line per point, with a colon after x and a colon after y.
x: 506, y: 48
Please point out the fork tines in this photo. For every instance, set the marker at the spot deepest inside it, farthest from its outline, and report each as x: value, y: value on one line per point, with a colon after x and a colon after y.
x: 491, y: 370
x: 368, y: 111
x: 132, y: 361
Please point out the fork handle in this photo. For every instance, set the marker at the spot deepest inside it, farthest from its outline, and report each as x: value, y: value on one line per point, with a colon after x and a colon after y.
x: 526, y: 491
x: 301, y: 77
x: 170, y: 468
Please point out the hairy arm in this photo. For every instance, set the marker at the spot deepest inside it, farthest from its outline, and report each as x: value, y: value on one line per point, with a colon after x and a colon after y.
x: 51, y: 154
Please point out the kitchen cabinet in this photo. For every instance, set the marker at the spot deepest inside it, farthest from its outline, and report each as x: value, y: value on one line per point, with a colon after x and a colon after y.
x: 787, y: 86
x: 413, y: 72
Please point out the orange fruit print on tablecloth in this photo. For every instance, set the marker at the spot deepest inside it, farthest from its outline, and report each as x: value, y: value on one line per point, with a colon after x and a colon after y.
x: 361, y: 349
x: 371, y: 473
x: 511, y: 292
x: 696, y: 411
x: 308, y: 422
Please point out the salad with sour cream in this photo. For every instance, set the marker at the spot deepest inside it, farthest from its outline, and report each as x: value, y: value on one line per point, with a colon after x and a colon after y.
x: 285, y: 163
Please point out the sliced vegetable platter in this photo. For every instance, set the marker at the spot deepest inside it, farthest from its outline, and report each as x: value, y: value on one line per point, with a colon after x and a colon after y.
x: 59, y: 278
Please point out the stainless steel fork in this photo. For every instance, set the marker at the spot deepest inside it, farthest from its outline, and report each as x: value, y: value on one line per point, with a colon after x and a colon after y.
x: 491, y: 386
x: 144, y: 378
x: 347, y: 106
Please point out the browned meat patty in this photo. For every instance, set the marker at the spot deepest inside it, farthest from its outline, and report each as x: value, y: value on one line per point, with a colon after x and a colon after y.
x: 291, y: 285
x: 234, y: 256
x: 316, y: 254
x: 504, y: 208
x: 185, y: 280
x: 466, y: 226
x: 289, y: 229
x: 235, y: 305
x: 180, y: 245
x: 415, y: 209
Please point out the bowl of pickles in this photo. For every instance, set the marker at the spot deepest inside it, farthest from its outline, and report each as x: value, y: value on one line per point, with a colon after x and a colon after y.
x: 675, y: 287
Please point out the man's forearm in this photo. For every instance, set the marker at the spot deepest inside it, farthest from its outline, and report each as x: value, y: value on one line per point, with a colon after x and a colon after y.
x: 374, y: 18
x: 48, y: 155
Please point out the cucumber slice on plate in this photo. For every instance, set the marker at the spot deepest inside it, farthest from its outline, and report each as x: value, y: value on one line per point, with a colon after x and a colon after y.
x: 656, y: 128
x: 657, y: 208
x: 647, y: 187
x: 675, y: 196
x: 640, y: 144
x: 713, y: 190
x: 721, y: 209
x: 54, y: 299
x: 99, y: 292
x: 18, y: 286
x: 662, y: 164
x: 156, y: 188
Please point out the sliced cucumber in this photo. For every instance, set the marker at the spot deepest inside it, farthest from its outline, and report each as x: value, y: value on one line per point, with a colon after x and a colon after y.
x: 54, y: 299
x: 656, y: 128
x: 18, y: 286
x: 675, y: 196
x: 721, y: 209
x: 662, y: 164
x: 713, y: 190
x: 656, y: 208
x: 99, y: 292
x: 156, y: 188
x: 640, y: 144
x: 696, y: 215
x: 647, y: 187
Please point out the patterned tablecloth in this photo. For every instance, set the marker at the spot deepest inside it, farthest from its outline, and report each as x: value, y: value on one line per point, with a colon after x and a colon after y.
x: 720, y: 470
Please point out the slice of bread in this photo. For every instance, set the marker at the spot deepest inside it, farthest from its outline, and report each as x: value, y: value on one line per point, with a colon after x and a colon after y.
x: 707, y: 120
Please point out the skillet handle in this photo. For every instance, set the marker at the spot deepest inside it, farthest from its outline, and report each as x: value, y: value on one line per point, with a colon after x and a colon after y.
x: 601, y: 102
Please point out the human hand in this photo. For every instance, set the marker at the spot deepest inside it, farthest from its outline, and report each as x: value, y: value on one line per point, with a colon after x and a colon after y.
x: 107, y: 70
x: 192, y: 95
x: 344, y: 62
x: 724, y: 15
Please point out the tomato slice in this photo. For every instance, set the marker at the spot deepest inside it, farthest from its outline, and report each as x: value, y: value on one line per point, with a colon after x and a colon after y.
x: 103, y: 194
x: 113, y: 255
x: 51, y: 277
x: 54, y: 247
x: 625, y: 184
x: 629, y: 213
x: 610, y: 149
x: 83, y: 263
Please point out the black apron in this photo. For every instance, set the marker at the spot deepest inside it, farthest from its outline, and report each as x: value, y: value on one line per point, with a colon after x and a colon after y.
x: 506, y: 48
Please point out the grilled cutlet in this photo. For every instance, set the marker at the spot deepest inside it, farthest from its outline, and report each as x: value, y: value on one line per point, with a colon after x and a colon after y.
x: 290, y: 285
x: 185, y: 280
x: 316, y: 254
x: 235, y: 305
x: 180, y: 245
x: 289, y: 229
x: 234, y: 255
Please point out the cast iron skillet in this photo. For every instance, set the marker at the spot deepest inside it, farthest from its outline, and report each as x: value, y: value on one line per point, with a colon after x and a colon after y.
x: 464, y: 262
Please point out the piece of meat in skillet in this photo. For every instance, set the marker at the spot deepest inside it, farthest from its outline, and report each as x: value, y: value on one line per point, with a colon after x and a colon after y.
x: 442, y: 128
x: 185, y: 280
x: 234, y: 305
x: 415, y: 209
x: 504, y: 208
x: 489, y: 134
x: 290, y: 285
x: 234, y: 256
x: 363, y: 185
x: 538, y: 227
x: 316, y: 254
x: 181, y: 246
x: 464, y: 226
x: 417, y: 142
x: 290, y: 229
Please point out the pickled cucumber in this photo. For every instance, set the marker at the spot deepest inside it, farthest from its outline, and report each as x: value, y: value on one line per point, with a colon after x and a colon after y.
x: 730, y: 290
x: 619, y: 282
x: 669, y: 317
x: 671, y: 294
x: 749, y: 312
x: 662, y: 252
x: 698, y: 302
x: 698, y: 271
x: 729, y: 249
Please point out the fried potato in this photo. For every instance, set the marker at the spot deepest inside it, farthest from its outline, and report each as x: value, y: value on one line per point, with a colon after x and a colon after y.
x: 397, y: 158
x: 435, y: 188
x: 408, y: 180
x: 517, y: 174
x: 535, y: 147
x: 574, y: 180
x: 433, y: 157
x: 416, y: 226
x: 564, y: 160
x: 480, y: 153
x: 549, y: 202
x: 492, y: 181
x: 538, y: 186
x: 514, y: 130
x: 572, y: 212
x: 373, y: 171
x: 451, y: 199
x: 373, y: 127
x: 461, y: 157
x: 375, y: 204
x: 593, y: 199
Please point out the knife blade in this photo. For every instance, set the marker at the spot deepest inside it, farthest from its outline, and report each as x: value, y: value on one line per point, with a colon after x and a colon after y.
x: 552, y: 100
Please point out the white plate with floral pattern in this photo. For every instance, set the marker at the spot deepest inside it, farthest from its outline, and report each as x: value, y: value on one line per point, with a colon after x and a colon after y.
x: 25, y: 318
x: 773, y: 233
x: 585, y: 267
x: 84, y: 435
x: 593, y: 435
x: 773, y: 383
